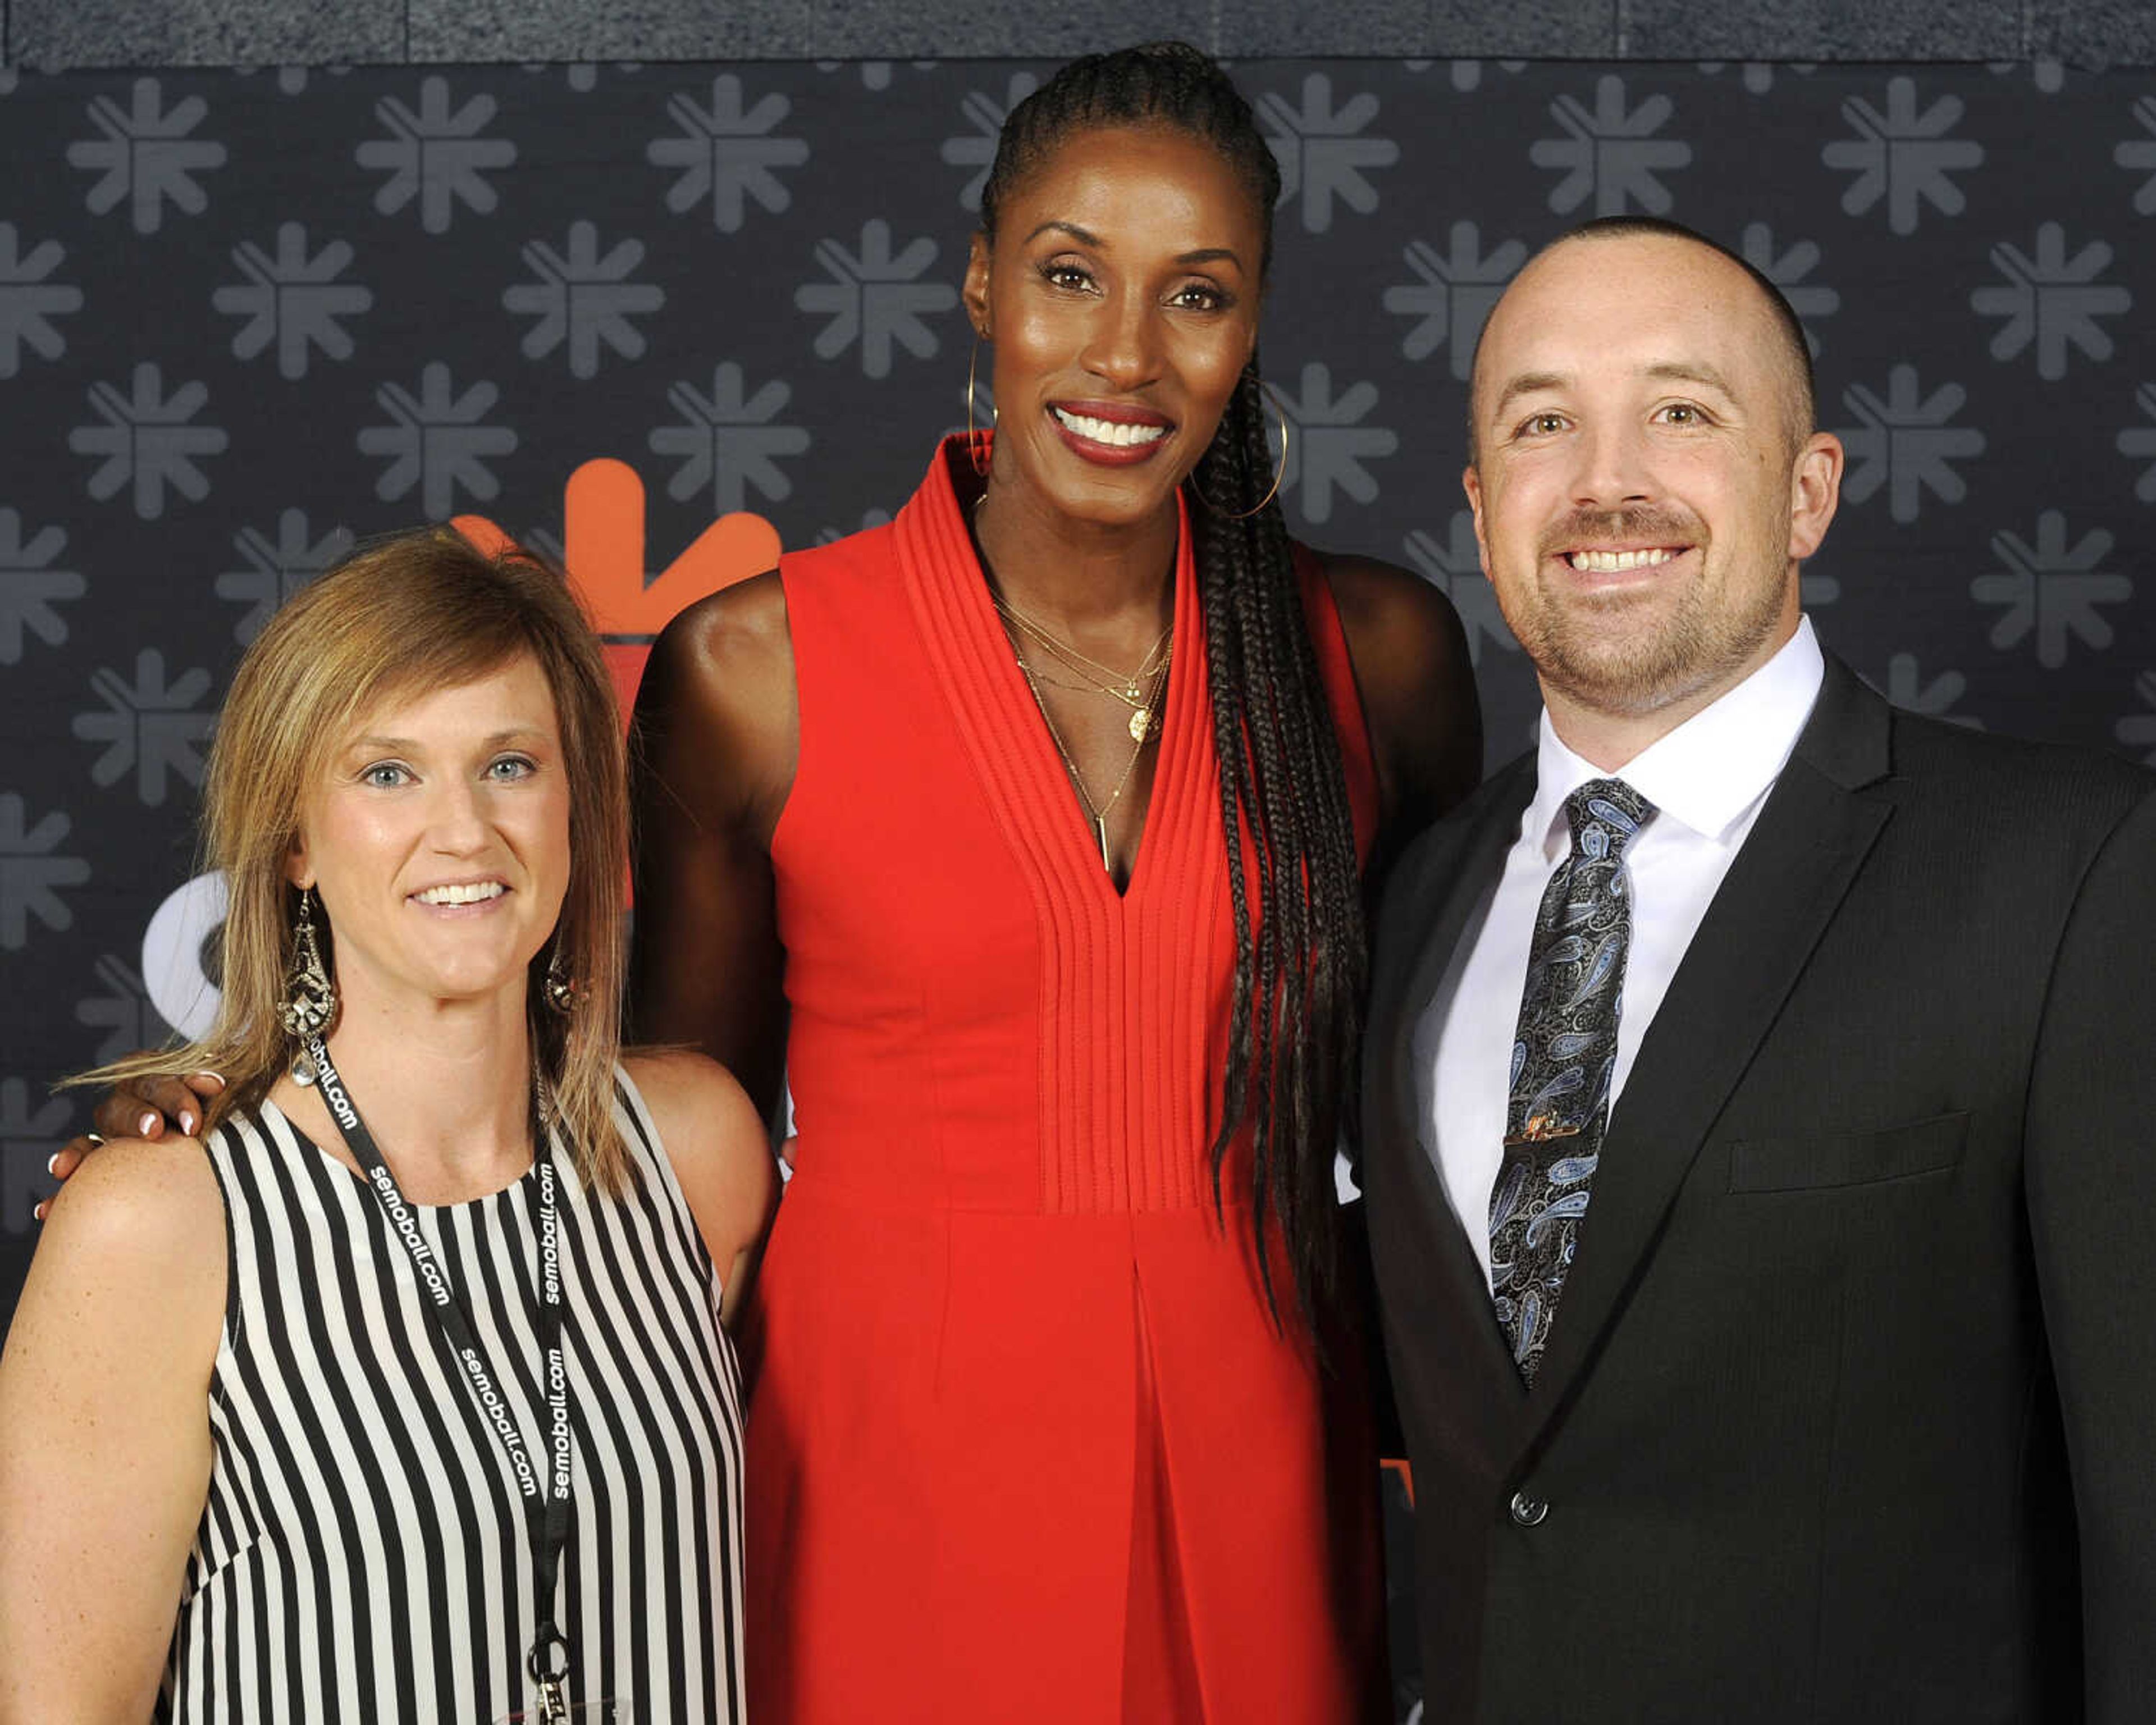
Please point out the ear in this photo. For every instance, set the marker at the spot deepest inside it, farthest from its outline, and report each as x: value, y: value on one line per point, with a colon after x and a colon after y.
x: 975, y: 291
x: 1815, y: 493
x: 298, y: 869
x: 1470, y: 481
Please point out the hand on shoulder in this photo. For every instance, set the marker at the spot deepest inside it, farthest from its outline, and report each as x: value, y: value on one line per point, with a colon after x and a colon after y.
x: 720, y: 1153
x: 1416, y: 678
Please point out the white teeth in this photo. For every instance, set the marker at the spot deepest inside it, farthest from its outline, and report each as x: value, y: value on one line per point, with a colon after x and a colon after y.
x: 465, y: 893
x: 1113, y: 432
x: 1615, y: 562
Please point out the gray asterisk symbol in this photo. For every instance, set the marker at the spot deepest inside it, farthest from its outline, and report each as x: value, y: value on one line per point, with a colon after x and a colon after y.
x: 1905, y: 441
x: 726, y: 152
x: 276, y: 569
x: 32, y: 872
x: 149, y: 726
x: 583, y: 299
x: 122, y: 1010
x: 30, y: 587
x: 1610, y: 153
x: 875, y: 297
x: 978, y: 149
x: 1331, y: 442
x: 292, y: 300
x: 2052, y: 590
x: 1322, y: 152
x: 28, y: 1136
x: 146, y: 156
x: 439, y: 440
x: 1787, y: 270
x: 728, y: 440
x: 1455, y: 568
x: 2139, y: 156
x: 2138, y: 730
x: 30, y: 298
x: 2138, y: 442
x: 1452, y: 298
x: 436, y: 155
x: 1907, y: 688
x: 2051, y: 300
x: 1903, y: 156
x: 147, y: 438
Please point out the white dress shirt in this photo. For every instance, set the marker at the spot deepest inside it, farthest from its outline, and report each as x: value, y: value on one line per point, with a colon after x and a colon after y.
x: 1708, y: 778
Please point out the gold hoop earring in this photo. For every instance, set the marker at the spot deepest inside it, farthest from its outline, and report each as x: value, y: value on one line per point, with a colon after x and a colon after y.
x: 1279, y: 473
x: 980, y: 450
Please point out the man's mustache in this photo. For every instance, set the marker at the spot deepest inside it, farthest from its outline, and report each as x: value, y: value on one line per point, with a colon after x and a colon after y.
x: 1589, y: 528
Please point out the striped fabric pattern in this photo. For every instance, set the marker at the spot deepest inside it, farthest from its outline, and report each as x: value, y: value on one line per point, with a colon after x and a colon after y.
x: 363, y: 1554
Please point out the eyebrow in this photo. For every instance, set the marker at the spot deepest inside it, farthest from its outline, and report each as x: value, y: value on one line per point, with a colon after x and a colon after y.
x: 406, y: 745
x: 1189, y: 259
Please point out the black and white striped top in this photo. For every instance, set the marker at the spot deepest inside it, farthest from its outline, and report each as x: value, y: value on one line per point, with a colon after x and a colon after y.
x: 364, y: 1555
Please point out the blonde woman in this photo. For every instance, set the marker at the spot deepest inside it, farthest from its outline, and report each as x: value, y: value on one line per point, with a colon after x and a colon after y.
x: 402, y: 1393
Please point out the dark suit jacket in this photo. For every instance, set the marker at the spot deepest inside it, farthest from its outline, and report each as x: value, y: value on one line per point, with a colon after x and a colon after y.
x: 1871, y: 1254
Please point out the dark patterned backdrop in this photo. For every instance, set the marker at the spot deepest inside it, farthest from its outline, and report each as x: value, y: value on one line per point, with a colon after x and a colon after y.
x: 244, y: 317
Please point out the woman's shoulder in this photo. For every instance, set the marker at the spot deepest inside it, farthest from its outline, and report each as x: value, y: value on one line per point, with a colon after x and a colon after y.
x: 1416, y: 677
x: 142, y: 1221
x: 713, y: 1139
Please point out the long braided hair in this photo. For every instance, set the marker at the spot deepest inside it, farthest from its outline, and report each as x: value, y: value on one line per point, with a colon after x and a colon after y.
x: 1296, y: 1022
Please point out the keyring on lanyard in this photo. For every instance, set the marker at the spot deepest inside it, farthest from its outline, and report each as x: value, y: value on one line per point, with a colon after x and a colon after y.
x: 550, y: 1672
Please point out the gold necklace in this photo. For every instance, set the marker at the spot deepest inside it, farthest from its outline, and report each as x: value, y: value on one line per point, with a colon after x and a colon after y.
x: 1132, y: 689
x: 1098, y: 817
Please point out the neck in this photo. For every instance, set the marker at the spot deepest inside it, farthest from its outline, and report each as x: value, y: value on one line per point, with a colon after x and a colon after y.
x: 446, y: 1092
x: 1083, y: 575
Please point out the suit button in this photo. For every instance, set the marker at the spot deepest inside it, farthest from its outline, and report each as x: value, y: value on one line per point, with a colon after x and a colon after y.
x: 1528, y: 1511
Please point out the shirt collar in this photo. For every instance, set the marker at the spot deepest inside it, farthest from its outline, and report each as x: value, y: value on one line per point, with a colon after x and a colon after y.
x: 1709, y: 772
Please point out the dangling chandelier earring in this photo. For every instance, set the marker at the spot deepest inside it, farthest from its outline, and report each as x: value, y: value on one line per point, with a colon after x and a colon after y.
x: 1279, y: 473
x: 310, y: 998
x: 979, y: 447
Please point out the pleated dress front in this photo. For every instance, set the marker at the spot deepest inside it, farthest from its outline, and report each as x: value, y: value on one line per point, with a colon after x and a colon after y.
x: 1024, y: 1442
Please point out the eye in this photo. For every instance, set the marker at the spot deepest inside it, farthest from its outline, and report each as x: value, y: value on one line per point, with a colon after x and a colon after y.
x: 1065, y: 273
x: 386, y: 775
x: 1547, y: 424
x: 508, y: 769
x: 1682, y: 413
x: 1201, y: 296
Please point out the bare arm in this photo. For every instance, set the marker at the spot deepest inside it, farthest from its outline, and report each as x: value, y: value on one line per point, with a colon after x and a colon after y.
x: 720, y: 1154
x: 712, y: 754
x: 1417, y: 681
x: 104, y: 1399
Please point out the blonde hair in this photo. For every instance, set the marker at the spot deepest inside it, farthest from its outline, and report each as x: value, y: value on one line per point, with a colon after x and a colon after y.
x: 423, y: 609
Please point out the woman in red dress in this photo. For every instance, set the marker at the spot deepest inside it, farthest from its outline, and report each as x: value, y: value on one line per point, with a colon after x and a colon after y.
x: 1027, y: 837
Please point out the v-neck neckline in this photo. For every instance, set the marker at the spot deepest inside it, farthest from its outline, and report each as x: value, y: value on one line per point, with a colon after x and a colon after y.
x: 947, y: 561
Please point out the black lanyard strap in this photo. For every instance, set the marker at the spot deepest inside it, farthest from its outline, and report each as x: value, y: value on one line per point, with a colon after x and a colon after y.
x: 550, y: 1511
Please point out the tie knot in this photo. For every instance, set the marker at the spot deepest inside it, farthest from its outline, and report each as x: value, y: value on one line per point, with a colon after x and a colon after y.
x: 1605, y: 815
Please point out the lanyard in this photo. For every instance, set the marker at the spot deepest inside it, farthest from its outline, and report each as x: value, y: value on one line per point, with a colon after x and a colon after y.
x: 549, y: 1512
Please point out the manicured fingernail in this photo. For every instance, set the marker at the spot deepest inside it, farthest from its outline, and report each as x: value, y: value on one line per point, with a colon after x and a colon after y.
x: 52, y: 1164
x: 146, y: 1124
x: 38, y: 1214
x: 215, y: 1078
x: 187, y: 1121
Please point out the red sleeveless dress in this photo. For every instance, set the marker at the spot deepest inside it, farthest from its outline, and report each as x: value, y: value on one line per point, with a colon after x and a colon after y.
x: 1023, y: 1444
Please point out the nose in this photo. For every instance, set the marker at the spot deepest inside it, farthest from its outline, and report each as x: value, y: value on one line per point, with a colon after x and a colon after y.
x: 457, y: 823
x: 1614, y: 467
x: 1123, y: 349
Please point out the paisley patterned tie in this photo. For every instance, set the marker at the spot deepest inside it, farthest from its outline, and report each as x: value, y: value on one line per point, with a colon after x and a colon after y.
x: 1562, y: 1057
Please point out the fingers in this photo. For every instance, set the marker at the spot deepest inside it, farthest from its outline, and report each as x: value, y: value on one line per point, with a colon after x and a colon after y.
x: 64, y: 1161
x: 204, y: 1084
x: 127, y: 1113
x: 179, y: 1105
x: 155, y: 1105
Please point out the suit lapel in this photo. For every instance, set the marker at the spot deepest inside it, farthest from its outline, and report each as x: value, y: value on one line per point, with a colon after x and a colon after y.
x: 1781, y: 891
x: 1428, y: 916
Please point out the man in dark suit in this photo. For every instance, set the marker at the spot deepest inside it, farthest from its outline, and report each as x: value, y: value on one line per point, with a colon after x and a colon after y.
x: 1760, y: 1099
